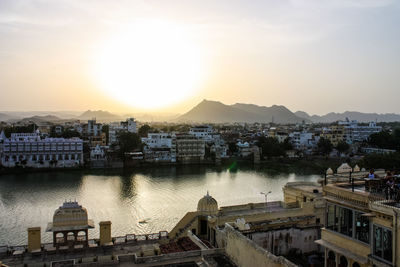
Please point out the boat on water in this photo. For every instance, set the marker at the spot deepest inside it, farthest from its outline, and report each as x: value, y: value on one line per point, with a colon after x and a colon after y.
x: 144, y: 221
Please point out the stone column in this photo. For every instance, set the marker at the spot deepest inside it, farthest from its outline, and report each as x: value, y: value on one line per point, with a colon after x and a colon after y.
x: 105, y: 232
x: 34, y: 239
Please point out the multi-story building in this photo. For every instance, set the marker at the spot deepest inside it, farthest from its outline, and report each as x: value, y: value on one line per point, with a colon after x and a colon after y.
x: 335, y: 134
x: 129, y: 126
x: 203, y: 132
x: 349, y: 132
x: 362, y: 228
x: 360, y: 133
x: 30, y: 150
x: 159, y: 147
x: 303, y: 140
x: 189, y: 148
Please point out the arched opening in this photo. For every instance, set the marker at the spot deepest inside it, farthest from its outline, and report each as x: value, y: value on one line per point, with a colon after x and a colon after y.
x: 356, y: 264
x: 70, y: 236
x: 343, y: 261
x: 59, y: 238
x: 81, y: 236
x: 331, y: 261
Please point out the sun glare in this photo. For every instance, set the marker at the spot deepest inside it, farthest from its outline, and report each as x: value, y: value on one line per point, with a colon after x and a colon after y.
x: 150, y: 64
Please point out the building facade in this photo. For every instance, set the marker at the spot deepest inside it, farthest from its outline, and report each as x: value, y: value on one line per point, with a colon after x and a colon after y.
x: 30, y: 150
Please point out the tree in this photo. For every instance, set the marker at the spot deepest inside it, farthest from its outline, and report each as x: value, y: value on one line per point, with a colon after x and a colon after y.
x: 144, y: 130
x: 342, y: 147
x: 127, y: 142
x: 324, y: 146
x: 271, y: 147
x: 106, y: 129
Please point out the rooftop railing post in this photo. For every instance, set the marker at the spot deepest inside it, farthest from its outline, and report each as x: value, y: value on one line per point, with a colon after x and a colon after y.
x: 352, y: 183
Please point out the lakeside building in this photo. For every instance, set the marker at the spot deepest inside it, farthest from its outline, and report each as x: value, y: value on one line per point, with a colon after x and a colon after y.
x: 203, y: 132
x: 30, y: 150
x: 114, y: 128
x: 254, y: 234
x: 189, y: 148
x: 159, y: 147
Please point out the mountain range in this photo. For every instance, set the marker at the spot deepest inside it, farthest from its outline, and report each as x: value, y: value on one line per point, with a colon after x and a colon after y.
x: 205, y: 112
x: 217, y: 112
x: 351, y: 115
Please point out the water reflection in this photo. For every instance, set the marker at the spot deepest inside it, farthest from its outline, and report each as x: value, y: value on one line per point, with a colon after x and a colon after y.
x: 161, y: 195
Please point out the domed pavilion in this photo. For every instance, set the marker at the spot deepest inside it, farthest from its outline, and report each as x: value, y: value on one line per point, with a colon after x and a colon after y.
x: 70, y: 225
x: 207, y: 205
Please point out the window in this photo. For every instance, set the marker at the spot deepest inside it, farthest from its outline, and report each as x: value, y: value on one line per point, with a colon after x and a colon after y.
x: 382, y: 245
x: 332, y: 218
x: 346, y: 221
x: 362, y: 227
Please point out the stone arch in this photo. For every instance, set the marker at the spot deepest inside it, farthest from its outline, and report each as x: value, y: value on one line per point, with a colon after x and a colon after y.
x: 331, y: 260
x: 70, y: 236
x: 343, y: 261
x: 59, y: 238
x: 81, y: 236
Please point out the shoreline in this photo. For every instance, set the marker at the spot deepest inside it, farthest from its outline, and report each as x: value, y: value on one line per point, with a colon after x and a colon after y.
x: 314, y: 165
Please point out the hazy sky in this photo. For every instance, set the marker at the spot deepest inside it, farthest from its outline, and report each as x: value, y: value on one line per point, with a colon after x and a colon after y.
x: 317, y: 55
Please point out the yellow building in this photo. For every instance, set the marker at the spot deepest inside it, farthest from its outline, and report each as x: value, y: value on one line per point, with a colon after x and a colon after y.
x: 335, y: 134
x: 361, y: 227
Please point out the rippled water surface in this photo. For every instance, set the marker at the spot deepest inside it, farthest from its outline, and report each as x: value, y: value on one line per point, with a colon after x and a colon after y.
x: 161, y: 195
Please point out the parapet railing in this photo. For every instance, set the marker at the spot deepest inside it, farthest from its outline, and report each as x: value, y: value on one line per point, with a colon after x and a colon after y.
x: 7, y: 250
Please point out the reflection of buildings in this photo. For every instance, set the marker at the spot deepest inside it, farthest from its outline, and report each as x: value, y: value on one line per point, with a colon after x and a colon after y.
x: 30, y: 150
x: 254, y: 234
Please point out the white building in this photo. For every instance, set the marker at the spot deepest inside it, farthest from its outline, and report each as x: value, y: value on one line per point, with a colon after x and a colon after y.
x: 93, y: 128
x: 204, y: 132
x: 358, y: 133
x: 303, y: 140
x: 30, y: 150
x: 129, y: 126
x: 159, y: 147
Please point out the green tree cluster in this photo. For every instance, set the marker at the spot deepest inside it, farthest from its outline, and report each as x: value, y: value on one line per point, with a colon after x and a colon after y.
x: 272, y: 148
x: 385, y: 140
x: 324, y: 146
x: 127, y: 142
x: 389, y: 161
x: 19, y: 129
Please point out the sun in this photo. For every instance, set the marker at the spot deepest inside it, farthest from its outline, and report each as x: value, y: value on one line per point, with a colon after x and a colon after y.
x: 149, y: 64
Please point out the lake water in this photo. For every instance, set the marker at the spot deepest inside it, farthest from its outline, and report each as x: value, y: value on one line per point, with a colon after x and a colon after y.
x: 160, y: 195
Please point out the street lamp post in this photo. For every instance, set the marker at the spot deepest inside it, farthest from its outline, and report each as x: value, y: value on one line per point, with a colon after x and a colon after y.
x: 266, y: 200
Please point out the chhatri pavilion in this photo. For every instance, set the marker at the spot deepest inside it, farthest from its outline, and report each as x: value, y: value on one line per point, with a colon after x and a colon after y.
x: 70, y: 225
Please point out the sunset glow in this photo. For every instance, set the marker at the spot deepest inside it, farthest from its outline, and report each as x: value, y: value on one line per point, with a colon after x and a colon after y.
x: 149, y: 64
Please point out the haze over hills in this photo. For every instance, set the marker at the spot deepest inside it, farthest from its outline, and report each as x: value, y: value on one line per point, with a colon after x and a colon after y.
x: 352, y: 115
x: 99, y: 115
x: 205, y: 112
x: 217, y: 112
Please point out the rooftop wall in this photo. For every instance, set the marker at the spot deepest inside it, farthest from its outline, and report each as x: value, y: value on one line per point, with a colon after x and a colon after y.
x: 244, y: 252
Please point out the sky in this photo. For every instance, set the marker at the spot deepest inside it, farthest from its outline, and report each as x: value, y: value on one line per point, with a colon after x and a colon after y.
x: 318, y: 56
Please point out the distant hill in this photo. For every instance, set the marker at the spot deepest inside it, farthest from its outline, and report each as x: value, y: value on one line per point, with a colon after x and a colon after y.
x: 217, y: 112
x: 351, y: 115
x: 39, y: 120
x: 99, y: 115
x: 7, y: 117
